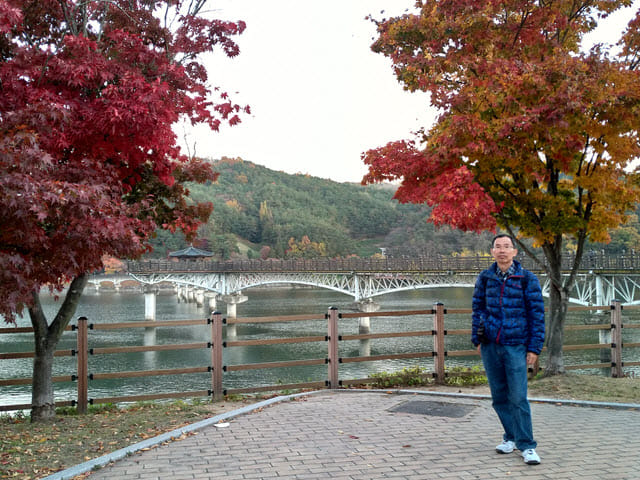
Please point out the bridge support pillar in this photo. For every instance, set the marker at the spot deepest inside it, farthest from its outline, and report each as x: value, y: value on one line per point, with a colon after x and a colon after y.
x: 599, y: 291
x: 366, y: 306
x: 191, y: 295
x: 183, y: 293
x: 211, y: 300
x: 232, y: 301
x: 364, y: 324
x: 150, y: 294
x: 199, y: 296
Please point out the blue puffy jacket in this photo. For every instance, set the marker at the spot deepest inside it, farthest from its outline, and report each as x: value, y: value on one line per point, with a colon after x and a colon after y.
x: 512, y: 311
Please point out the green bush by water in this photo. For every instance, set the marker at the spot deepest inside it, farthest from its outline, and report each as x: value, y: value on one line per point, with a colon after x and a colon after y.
x: 419, y: 376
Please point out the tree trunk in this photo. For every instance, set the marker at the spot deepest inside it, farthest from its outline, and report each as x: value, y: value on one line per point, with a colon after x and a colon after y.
x: 559, y: 290
x: 46, y: 340
x: 42, y: 399
x: 558, y: 304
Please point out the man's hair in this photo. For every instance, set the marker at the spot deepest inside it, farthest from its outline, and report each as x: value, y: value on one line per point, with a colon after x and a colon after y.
x: 502, y: 235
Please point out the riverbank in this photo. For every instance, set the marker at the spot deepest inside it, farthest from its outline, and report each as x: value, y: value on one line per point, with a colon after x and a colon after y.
x: 31, y: 451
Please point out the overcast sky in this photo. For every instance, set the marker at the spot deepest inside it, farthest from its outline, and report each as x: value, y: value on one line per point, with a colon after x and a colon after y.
x: 319, y: 96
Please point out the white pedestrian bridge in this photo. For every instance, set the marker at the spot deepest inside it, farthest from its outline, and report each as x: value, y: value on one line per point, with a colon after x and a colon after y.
x: 601, y: 278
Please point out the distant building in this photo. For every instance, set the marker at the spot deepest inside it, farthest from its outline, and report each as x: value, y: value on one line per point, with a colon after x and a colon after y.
x: 190, y: 253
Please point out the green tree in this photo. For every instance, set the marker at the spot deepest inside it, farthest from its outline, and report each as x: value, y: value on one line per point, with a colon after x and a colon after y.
x: 535, y: 136
x: 224, y: 246
x: 165, y: 242
x: 626, y: 238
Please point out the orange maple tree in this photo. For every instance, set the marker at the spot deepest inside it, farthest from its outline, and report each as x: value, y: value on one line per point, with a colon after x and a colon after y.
x: 305, y: 248
x: 534, y: 135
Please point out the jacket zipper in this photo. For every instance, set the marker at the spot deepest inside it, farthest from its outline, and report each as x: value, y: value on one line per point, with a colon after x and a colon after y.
x: 501, y: 295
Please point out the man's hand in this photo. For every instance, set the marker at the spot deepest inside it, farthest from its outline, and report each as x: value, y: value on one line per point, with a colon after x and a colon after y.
x: 531, y: 358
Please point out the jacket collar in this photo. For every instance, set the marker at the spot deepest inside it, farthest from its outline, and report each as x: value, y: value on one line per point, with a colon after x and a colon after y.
x: 516, y: 268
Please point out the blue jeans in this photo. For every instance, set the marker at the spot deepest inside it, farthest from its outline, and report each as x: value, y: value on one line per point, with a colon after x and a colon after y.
x: 506, y: 368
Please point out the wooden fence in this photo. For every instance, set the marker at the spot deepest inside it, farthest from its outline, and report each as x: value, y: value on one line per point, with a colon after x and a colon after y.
x: 216, y: 344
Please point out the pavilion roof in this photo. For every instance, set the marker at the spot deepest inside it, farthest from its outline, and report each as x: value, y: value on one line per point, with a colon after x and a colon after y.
x: 190, y: 252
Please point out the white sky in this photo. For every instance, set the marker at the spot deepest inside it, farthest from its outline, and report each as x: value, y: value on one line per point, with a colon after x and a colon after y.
x: 319, y: 96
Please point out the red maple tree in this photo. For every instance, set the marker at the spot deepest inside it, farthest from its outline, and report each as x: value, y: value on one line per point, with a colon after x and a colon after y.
x: 89, y: 165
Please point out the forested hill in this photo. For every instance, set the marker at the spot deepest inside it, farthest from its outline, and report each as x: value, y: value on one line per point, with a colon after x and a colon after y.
x: 255, y: 207
x: 267, y: 207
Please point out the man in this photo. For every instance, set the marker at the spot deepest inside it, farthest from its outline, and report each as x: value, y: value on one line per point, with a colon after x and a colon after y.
x: 508, y: 330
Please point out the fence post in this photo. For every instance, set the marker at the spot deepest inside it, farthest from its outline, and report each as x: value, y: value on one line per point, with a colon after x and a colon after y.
x: 82, y: 347
x: 616, y: 339
x: 438, y: 341
x: 332, y: 339
x: 216, y: 356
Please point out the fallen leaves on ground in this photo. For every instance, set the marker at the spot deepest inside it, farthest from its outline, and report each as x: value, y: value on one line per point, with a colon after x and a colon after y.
x: 32, y: 451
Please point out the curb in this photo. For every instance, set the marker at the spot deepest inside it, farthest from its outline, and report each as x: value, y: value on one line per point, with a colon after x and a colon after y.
x: 554, y: 401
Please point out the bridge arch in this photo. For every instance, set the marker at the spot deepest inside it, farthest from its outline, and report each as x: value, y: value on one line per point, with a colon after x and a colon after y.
x: 344, y: 291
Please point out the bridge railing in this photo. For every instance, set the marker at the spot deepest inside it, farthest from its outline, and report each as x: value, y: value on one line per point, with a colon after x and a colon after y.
x: 321, y: 264
x: 437, y: 263
x: 89, y: 354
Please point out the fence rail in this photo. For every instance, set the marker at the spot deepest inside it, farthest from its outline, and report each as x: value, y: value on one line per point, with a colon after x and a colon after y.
x: 216, y: 345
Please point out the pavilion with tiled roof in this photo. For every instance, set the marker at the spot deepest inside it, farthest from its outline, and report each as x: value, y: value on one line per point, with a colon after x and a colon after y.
x: 190, y: 253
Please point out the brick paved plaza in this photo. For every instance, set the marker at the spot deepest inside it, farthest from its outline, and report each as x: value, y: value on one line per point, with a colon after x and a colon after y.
x: 374, y: 435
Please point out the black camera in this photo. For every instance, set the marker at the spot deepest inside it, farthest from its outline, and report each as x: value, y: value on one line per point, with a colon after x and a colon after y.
x: 482, y: 338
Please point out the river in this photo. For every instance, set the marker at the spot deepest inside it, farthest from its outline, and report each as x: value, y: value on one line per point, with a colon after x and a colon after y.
x: 113, y: 307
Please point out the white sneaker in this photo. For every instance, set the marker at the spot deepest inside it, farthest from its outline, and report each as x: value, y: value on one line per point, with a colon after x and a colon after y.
x: 506, y: 446
x: 531, y: 457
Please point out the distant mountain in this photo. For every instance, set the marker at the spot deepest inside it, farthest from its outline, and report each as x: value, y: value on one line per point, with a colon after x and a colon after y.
x: 258, y: 211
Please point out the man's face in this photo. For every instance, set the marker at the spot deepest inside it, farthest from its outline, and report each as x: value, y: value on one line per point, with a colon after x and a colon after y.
x: 503, y: 252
